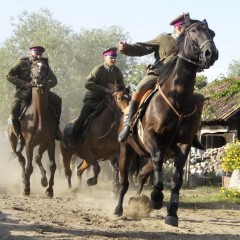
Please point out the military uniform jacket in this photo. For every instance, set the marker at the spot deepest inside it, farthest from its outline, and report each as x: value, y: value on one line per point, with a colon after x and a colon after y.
x: 163, y: 47
x: 20, y: 74
x: 97, y: 82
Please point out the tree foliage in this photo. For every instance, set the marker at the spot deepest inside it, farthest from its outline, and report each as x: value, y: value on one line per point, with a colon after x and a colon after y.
x: 71, y: 55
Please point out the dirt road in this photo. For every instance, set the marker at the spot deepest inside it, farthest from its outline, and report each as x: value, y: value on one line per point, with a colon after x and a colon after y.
x: 88, y: 213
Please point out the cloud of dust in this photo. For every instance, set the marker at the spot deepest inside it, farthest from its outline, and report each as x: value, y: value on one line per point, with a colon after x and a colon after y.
x: 11, y: 179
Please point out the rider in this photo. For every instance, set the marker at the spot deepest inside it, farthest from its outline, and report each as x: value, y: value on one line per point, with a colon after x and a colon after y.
x: 164, y: 48
x: 20, y: 76
x: 99, y: 83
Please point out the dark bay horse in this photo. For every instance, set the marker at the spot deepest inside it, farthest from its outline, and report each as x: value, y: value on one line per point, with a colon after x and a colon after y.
x: 100, y: 141
x: 171, y: 117
x: 38, y: 127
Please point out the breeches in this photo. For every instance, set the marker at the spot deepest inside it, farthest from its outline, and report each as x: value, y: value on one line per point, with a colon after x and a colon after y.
x: 148, y: 82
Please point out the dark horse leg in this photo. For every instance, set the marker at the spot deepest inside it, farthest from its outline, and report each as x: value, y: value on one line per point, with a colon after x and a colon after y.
x: 126, y: 152
x: 51, y: 154
x: 96, y: 170
x: 176, y: 184
x: 115, y: 165
x: 21, y: 158
x: 67, y: 157
x: 29, y: 167
x: 144, y: 175
x: 157, y: 157
x: 38, y: 160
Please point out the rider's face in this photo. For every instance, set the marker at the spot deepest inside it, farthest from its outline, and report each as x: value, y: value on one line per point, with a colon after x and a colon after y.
x: 35, y: 55
x: 110, y: 60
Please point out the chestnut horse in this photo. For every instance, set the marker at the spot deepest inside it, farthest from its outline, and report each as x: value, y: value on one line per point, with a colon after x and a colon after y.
x: 171, y: 117
x: 100, y: 141
x: 38, y: 126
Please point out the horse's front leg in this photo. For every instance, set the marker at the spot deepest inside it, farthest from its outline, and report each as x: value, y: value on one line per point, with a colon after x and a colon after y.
x: 53, y: 166
x: 144, y: 175
x: 176, y: 184
x: 96, y: 170
x: 38, y: 160
x: 157, y: 158
x: 124, y: 164
x: 29, y: 168
x: 114, y: 163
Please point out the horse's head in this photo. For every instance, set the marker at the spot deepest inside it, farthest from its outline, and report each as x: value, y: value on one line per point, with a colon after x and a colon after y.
x: 122, y: 98
x: 39, y: 73
x: 197, y: 45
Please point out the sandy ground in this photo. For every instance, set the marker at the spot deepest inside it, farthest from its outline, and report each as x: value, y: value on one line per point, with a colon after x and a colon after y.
x: 87, y: 213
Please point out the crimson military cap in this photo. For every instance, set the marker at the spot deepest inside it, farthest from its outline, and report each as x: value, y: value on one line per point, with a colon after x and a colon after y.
x: 111, y: 52
x: 37, y: 49
x: 179, y: 20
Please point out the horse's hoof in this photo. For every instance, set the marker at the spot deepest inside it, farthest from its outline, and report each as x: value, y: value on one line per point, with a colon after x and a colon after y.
x: 44, y: 182
x: 91, y: 182
x: 156, y: 201
x: 26, y: 193
x: 118, y: 212
x: 49, y: 193
x: 156, y: 205
x: 172, y: 220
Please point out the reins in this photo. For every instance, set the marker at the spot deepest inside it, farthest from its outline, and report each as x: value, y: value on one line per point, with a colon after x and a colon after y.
x: 181, y: 116
x: 117, y: 116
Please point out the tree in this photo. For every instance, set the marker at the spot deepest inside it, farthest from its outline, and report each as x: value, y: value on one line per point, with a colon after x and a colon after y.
x: 234, y: 69
x: 71, y: 55
x: 201, y: 82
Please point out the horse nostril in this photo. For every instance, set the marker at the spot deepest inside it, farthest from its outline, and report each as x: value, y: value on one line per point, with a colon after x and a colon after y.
x: 208, y: 53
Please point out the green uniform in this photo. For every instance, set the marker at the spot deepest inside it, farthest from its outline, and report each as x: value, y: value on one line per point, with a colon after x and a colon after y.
x: 163, y: 47
x: 20, y: 76
x: 97, y: 82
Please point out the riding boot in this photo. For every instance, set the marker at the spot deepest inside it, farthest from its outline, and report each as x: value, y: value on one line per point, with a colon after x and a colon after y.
x: 76, y: 133
x: 123, y: 135
x: 17, y: 130
x: 196, y: 143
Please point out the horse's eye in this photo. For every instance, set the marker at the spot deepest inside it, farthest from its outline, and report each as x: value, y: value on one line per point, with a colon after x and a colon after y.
x: 194, y: 30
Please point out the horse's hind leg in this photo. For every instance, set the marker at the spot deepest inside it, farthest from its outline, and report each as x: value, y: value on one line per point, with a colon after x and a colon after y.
x: 53, y: 166
x: 38, y: 160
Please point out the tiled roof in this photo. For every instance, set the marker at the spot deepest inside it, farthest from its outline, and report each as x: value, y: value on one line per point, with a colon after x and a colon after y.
x: 223, y: 99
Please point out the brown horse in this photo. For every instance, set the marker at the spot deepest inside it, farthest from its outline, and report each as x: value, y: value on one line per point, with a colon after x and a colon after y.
x: 38, y: 127
x: 171, y: 117
x: 100, y: 141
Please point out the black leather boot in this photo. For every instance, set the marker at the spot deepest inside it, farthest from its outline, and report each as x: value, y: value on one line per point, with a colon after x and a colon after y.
x: 197, y: 144
x: 17, y: 130
x: 123, y: 135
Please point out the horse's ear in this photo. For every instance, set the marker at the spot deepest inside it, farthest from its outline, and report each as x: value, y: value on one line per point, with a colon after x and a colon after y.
x: 205, y: 22
x: 187, y: 19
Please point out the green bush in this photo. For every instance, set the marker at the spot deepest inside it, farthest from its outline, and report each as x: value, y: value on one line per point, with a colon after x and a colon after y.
x: 231, y: 157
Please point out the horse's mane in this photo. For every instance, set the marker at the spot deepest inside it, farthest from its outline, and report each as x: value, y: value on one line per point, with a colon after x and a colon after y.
x: 167, y: 69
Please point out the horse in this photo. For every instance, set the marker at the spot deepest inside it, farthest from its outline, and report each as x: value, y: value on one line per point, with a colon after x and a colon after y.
x: 171, y: 117
x: 100, y: 141
x: 38, y: 126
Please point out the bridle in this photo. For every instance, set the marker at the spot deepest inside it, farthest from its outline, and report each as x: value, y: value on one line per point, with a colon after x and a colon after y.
x: 39, y: 75
x: 196, y: 47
